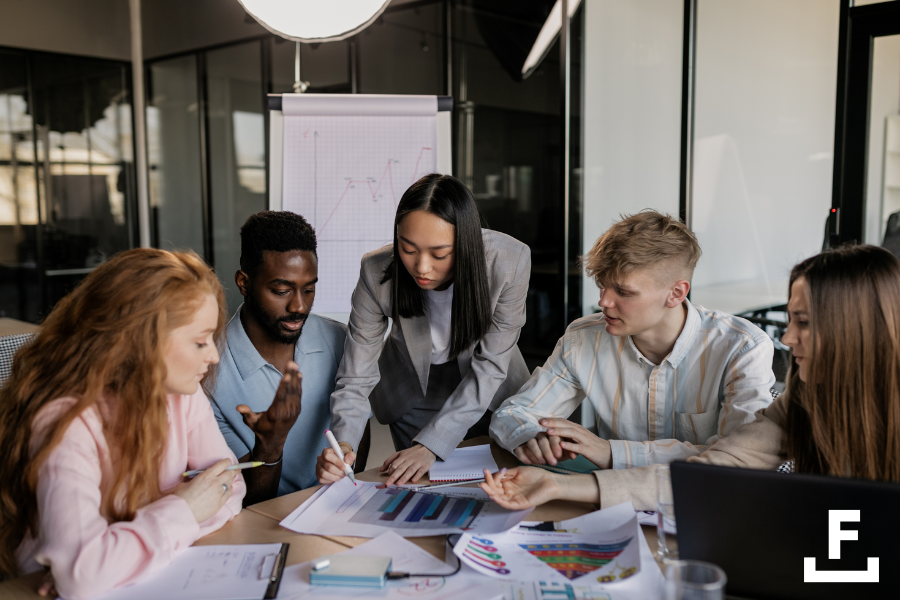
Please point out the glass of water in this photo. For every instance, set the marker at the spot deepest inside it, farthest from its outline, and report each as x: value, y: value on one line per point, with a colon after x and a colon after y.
x: 694, y: 580
x: 665, y: 514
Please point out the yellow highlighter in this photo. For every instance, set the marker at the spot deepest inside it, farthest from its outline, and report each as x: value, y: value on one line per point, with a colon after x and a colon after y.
x: 237, y: 467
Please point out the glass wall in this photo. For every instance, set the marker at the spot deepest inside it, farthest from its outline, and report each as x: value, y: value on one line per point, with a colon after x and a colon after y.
x: 632, y: 115
x: 19, y: 289
x: 173, y: 154
x: 509, y: 150
x: 766, y: 74
x: 66, y: 178
x: 237, y: 152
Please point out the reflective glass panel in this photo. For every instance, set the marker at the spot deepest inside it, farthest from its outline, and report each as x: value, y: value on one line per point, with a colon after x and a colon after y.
x: 173, y: 146
x: 237, y: 153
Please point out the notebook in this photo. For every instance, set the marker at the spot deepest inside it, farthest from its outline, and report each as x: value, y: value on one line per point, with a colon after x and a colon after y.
x: 572, y: 466
x: 464, y: 464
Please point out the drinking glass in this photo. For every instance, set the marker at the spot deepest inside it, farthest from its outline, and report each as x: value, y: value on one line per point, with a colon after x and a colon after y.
x: 665, y: 514
x: 694, y: 580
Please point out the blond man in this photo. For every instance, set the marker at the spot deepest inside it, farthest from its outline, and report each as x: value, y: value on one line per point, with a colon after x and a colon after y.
x: 665, y: 377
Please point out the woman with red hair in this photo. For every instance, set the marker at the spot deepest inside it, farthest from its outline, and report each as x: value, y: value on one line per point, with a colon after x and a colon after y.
x: 102, y: 414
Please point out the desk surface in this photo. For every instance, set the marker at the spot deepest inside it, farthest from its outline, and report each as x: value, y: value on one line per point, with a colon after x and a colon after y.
x: 259, y: 524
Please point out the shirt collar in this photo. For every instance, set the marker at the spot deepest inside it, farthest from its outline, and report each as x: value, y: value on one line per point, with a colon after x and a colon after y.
x: 682, y: 342
x: 247, y: 358
x: 686, y: 337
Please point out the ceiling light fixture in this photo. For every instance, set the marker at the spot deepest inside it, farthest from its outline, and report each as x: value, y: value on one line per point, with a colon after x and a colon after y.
x: 547, y: 36
x: 315, y: 21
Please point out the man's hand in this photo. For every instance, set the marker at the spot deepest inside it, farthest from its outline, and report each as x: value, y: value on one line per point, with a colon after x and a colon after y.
x: 272, y: 427
x: 330, y: 468
x: 408, y: 465
x: 575, y: 440
x: 521, y: 487
x: 542, y: 449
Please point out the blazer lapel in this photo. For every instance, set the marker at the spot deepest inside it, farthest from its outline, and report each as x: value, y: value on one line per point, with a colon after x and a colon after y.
x: 417, y: 335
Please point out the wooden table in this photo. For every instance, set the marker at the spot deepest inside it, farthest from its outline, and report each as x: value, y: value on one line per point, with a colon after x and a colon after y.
x: 259, y: 524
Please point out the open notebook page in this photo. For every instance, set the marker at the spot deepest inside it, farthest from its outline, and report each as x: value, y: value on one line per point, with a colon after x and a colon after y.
x: 463, y: 464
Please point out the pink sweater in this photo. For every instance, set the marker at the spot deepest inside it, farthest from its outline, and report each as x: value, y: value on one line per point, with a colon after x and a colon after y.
x: 87, y: 553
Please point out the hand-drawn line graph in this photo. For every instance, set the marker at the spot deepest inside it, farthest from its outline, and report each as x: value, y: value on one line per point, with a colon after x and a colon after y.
x: 346, y: 174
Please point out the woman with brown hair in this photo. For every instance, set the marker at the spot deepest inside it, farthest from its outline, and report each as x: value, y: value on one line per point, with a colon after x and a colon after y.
x: 840, y: 413
x: 100, y: 417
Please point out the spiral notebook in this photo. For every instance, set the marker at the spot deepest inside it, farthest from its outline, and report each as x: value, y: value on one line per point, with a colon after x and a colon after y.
x: 464, y: 464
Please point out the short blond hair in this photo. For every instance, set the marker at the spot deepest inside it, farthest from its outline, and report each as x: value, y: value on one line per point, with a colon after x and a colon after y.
x: 647, y: 239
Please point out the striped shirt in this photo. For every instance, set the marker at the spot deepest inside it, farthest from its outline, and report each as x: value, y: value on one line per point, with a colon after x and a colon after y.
x: 717, y: 376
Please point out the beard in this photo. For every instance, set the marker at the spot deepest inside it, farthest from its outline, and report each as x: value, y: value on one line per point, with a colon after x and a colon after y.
x: 270, y: 322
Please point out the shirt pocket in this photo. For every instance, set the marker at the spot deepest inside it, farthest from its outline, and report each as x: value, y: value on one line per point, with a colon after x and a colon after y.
x: 696, y: 427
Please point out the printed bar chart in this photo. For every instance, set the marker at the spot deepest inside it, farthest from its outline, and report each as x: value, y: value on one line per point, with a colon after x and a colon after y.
x: 402, y: 508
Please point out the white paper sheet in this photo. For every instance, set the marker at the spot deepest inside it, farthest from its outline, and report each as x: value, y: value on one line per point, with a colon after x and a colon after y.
x: 645, y: 585
x: 214, y: 572
x: 408, y: 558
x: 463, y: 464
x: 587, y: 553
x: 368, y: 510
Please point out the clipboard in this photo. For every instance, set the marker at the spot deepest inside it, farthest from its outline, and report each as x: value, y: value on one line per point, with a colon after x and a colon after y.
x: 224, y: 572
x: 277, y: 571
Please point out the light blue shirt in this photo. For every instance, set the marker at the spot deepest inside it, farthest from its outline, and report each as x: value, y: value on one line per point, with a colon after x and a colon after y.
x: 245, y: 377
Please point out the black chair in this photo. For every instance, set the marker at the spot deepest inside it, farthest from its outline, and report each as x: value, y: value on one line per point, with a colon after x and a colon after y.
x: 892, y: 235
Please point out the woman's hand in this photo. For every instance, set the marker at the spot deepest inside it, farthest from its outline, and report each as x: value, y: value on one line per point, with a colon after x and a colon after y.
x: 206, y: 493
x: 408, y: 465
x: 575, y: 440
x: 48, y: 585
x: 330, y: 468
x: 522, y: 487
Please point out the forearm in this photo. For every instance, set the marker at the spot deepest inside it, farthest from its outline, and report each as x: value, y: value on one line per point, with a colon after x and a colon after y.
x: 262, y: 482
x: 577, y: 488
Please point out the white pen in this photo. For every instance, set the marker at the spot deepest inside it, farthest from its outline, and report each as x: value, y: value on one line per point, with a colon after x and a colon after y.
x: 340, y: 454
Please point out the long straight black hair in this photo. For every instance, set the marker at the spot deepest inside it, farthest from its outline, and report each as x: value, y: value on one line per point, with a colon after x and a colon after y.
x: 448, y: 198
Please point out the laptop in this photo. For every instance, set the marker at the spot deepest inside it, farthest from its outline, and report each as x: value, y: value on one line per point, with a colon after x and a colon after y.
x: 770, y: 532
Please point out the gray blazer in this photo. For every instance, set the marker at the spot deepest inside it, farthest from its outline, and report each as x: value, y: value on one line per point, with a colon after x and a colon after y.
x: 393, y: 373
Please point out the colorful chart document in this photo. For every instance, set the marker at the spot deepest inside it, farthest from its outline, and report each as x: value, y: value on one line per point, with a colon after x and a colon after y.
x: 588, y: 558
x: 369, y: 509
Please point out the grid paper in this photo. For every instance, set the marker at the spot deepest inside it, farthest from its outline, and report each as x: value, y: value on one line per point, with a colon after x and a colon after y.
x: 345, y: 175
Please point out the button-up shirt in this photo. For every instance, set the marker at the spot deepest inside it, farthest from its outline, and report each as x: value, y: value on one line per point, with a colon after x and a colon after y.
x: 716, y: 377
x: 245, y: 377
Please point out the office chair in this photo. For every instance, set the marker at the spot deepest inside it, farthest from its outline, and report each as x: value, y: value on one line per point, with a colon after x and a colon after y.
x: 9, y: 345
x: 892, y: 235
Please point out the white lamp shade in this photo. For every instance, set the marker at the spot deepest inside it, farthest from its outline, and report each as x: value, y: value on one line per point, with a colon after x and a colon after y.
x: 315, y: 20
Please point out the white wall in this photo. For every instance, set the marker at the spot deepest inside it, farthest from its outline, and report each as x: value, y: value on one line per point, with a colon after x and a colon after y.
x: 763, y: 144
x: 632, y: 113
x: 97, y: 28
x: 884, y: 101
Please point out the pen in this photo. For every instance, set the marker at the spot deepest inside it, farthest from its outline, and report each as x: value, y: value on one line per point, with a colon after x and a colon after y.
x: 440, y: 485
x: 237, y: 467
x: 337, y: 450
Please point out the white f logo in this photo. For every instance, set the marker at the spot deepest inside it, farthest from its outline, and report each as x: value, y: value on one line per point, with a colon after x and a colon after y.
x: 835, y: 536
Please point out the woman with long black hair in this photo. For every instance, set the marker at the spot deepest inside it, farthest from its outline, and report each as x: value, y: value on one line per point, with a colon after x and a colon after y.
x: 456, y: 294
